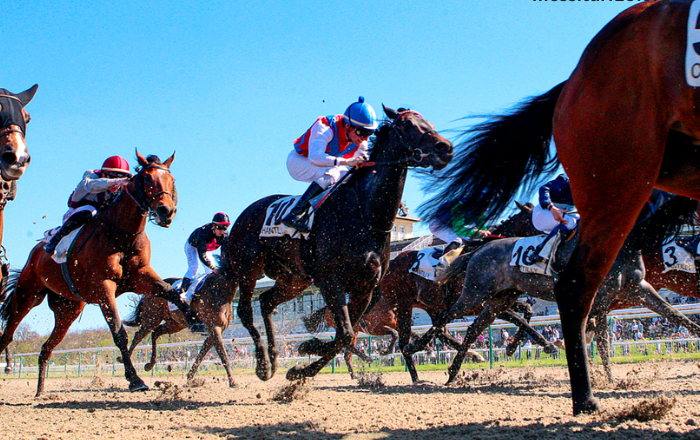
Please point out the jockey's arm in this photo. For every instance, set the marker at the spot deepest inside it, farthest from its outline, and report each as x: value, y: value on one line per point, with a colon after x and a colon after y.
x: 319, y: 138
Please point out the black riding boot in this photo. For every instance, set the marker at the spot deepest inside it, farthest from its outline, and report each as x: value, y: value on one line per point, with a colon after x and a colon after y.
x: 294, y: 218
x: 74, y: 222
x: 185, y: 284
x: 536, y: 257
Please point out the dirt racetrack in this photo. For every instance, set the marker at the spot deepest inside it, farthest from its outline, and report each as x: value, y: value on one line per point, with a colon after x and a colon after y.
x: 485, y: 404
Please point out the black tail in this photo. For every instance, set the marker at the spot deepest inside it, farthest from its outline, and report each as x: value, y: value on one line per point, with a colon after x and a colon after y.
x: 6, y: 295
x: 134, y: 320
x: 500, y: 159
x: 316, y: 323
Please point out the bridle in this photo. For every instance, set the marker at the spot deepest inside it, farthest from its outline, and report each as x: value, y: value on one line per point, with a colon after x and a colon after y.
x: 12, y: 130
x: 416, y: 154
x: 143, y: 202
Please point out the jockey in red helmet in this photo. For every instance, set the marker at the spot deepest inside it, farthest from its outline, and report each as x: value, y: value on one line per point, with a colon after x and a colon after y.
x: 327, y: 151
x: 199, y: 246
x: 96, y: 189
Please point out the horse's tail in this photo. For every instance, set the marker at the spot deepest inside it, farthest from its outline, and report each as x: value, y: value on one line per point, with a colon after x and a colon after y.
x: 6, y: 296
x: 457, y: 267
x: 135, y: 319
x: 315, y: 322
x: 499, y: 159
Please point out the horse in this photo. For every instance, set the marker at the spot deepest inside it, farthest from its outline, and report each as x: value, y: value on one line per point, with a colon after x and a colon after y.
x: 213, y: 305
x: 624, y: 122
x: 14, y: 159
x: 347, y: 251
x: 111, y: 256
x: 405, y: 291
x: 491, y: 281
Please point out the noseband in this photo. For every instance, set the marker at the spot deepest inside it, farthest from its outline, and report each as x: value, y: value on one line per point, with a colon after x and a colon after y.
x: 142, y: 201
x: 416, y: 154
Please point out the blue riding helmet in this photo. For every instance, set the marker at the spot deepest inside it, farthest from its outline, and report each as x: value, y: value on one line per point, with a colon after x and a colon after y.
x: 361, y: 115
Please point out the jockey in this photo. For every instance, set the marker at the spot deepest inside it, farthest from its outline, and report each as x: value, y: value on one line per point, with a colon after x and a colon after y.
x: 96, y: 190
x: 199, y: 247
x: 451, y: 230
x: 326, y: 152
x: 554, y: 213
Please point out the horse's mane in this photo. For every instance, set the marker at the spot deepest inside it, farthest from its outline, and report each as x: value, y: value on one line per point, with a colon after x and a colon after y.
x: 485, y: 175
x: 153, y: 159
x: 655, y: 228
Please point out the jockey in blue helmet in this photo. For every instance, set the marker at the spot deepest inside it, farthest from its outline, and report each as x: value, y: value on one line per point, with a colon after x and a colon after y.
x: 327, y: 151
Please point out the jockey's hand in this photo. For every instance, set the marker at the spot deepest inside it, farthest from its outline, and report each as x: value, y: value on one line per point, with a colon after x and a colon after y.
x: 117, y: 184
x: 483, y: 233
x: 354, y: 161
x: 558, y: 215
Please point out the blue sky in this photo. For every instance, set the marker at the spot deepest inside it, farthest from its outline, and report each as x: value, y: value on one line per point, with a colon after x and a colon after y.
x: 230, y: 85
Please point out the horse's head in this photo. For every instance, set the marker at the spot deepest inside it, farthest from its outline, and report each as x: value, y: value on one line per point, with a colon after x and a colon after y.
x: 154, y: 189
x: 422, y: 145
x: 518, y: 224
x: 14, y: 156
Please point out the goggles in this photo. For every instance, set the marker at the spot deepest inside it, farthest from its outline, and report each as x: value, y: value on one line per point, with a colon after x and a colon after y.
x: 363, y: 132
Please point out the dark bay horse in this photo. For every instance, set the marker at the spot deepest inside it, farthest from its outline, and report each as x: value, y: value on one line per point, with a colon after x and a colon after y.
x: 111, y: 256
x: 491, y: 281
x: 213, y: 306
x: 625, y: 121
x: 405, y: 291
x: 347, y: 252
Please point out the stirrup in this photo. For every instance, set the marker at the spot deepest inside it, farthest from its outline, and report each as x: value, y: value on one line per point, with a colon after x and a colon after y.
x: 50, y: 248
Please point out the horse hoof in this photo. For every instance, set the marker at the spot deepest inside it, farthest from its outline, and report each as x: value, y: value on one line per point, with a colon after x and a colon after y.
x: 8, y: 370
x: 138, y: 386
x: 312, y: 346
x: 589, y: 406
x: 551, y: 349
x: 263, y: 373
x: 149, y: 366
x: 295, y: 373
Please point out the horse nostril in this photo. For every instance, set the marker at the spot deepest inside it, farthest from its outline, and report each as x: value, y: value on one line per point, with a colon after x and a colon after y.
x: 442, y: 146
x: 163, y: 211
x: 8, y: 157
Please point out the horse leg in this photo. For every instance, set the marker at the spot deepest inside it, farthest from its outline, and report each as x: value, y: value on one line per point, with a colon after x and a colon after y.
x: 525, y: 327
x: 216, y: 333
x: 349, y: 350
x: 491, y: 310
x: 111, y: 314
x: 602, y: 337
x: 245, y: 314
x: 22, y: 300
x: 345, y: 316
x: 394, y: 339
x: 403, y: 315
x: 65, y: 313
x: 157, y: 333
x: 206, y: 346
x: 650, y: 298
x: 8, y: 361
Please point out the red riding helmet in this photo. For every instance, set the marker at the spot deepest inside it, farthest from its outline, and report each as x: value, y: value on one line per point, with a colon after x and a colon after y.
x: 221, y: 219
x: 116, y: 164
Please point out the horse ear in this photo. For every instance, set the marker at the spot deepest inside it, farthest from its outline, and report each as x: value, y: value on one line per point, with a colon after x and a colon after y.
x: 27, y: 95
x: 169, y: 161
x: 390, y: 113
x: 142, y: 160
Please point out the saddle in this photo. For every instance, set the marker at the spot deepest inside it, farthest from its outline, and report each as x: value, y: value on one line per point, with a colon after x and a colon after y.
x: 187, y: 297
x: 64, y: 247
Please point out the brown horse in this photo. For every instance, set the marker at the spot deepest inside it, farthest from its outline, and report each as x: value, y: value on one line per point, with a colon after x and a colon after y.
x: 625, y: 121
x: 14, y: 159
x: 405, y: 290
x: 348, y: 249
x: 211, y: 303
x: 111, y: 256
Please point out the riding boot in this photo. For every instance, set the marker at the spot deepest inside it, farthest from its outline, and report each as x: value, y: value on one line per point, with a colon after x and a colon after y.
x: 295, y: 217
x: 74, y: 222
x: 185, y: 285
x: 541, y: 257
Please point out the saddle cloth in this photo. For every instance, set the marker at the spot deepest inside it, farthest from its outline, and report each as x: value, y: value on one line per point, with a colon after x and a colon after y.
x: 195, y: 285
x: 677, y: 258
x: 60, y: 255
x: 275, y: 212
x: 523, y: 253
x: 426, y: 263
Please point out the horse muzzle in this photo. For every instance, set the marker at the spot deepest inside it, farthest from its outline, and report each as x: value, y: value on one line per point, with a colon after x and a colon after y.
x: 14, y: 159
x: 438, y: 156
x: 163, y: 215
